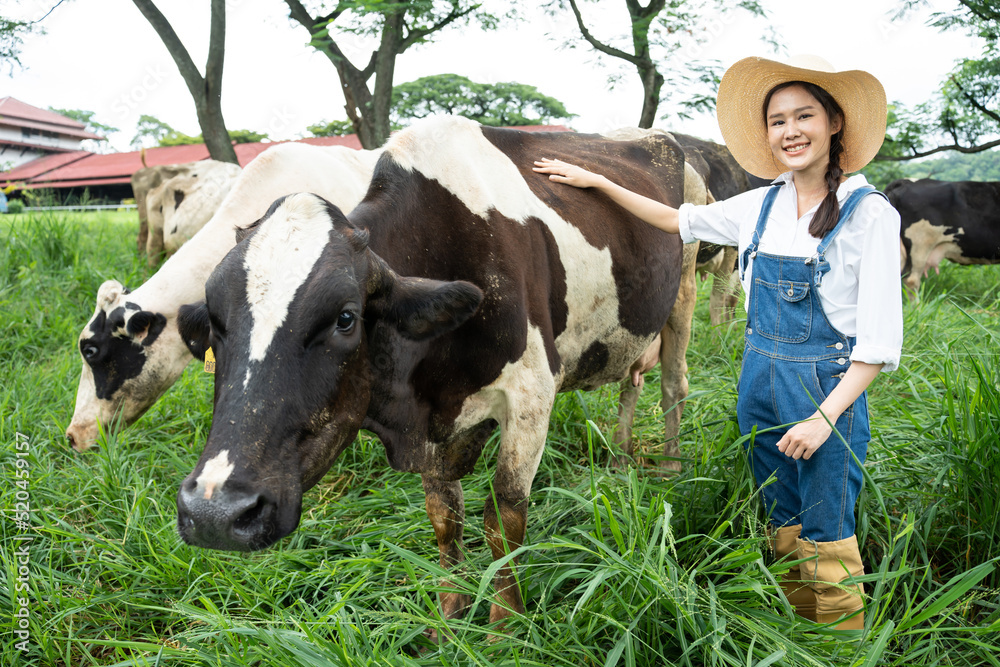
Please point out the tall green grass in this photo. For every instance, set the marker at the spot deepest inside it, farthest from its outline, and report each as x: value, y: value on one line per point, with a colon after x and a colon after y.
x: 619, y: 568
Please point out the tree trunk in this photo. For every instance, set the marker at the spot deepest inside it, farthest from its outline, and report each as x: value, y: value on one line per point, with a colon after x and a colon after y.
x: 205, y: 91
x: 652, y: 82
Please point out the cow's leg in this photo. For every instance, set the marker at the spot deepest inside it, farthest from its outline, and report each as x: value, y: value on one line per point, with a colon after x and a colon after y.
x: 722, y: 302
x: 446, y: 510
x: 140, y: 240
x: 673, y: 362
x: 628, y: 398
x: 523, y: 428
x: 154, y: 241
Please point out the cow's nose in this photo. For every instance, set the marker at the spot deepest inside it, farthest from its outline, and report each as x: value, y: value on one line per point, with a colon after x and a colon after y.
x: 228, y: 519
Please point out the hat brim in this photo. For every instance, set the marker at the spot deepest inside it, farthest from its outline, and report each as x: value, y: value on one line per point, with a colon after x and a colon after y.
x: 740, y: 103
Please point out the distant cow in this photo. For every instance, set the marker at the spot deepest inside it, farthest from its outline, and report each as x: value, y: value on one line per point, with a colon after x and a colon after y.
x: 463, y: 293
x: 180, y: 206
x: 939, y: 220
x: 724, y: 178
x: 708, y: 165
x: 131, y: 349
x: 144, y: 181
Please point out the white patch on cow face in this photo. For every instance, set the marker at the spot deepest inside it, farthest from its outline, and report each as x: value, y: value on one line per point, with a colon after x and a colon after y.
x: 485, y: 179
x: 214, y: 474
x: 281, y: 256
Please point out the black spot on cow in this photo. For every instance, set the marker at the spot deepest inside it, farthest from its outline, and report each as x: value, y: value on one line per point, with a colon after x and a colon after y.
x: 593, y: 360
x: 178, y: 197
x: 114, y: 358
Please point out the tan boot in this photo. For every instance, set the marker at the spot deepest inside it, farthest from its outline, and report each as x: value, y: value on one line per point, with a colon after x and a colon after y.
x: 797, y: 591
x: 829, y: 574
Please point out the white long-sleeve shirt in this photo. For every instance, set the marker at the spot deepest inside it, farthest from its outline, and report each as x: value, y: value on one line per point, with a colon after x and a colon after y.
x: 861, y: 294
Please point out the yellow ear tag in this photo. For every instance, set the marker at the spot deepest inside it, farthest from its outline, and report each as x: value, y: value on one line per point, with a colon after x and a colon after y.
x: 209, y: 361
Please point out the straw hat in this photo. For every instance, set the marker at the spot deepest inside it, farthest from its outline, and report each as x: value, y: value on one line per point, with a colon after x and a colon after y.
x: 740, y: 107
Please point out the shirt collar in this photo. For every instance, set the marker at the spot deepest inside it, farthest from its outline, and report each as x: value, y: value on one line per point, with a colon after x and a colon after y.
x: 846, y: 188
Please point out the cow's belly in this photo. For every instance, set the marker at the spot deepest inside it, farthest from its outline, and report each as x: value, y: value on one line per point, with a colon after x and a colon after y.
x: 605, y: 360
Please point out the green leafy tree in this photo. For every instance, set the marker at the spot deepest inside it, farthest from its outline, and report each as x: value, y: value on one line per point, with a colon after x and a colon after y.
x: 247, y: 136
x: 12, y: 34
x: 87, y: 118
x: 206, y: 91
x: 964, y: 115
x: 500, y: 104
x: 398, y: 25
x: 333, y: 128
x: 666, y: 36
x: 175, y: 138
x: 150, y: 131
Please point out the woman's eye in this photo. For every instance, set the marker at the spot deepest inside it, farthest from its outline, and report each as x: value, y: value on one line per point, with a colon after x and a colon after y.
x: 345, y: 321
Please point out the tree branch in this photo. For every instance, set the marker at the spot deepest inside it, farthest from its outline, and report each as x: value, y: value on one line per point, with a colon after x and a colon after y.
x: 979, y: 11
x: 973, y: 101
x: 414, y: 36
x: 216, y: 47
x: 192, y: 77
x: 939, y: 149
x: 600, y: 46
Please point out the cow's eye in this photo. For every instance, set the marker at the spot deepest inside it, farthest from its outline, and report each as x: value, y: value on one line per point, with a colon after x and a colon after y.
x: 345, y: 321
x: 89, y: 350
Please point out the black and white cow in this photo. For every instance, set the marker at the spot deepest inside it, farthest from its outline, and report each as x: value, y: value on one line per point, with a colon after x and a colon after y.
x: 940, y: 220
x: 180, y: 206
x: 132, y: 352
x: 144, y: 181
x: 463, y: 293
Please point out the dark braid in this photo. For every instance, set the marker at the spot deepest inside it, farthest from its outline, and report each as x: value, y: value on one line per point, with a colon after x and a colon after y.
x: 826, y: 216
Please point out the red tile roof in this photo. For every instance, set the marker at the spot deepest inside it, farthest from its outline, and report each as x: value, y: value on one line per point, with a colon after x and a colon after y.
x: 88, y: 169
x: 19, y: 114
x: 42, y: 165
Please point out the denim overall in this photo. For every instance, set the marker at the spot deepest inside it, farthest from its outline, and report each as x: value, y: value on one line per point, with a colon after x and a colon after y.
x: 792, y: 361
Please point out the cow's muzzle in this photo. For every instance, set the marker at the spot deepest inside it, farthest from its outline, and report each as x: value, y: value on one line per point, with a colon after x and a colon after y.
x: 230, y: 519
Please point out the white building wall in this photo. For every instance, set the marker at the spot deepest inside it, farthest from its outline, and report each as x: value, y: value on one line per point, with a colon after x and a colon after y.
x: 13, y: 156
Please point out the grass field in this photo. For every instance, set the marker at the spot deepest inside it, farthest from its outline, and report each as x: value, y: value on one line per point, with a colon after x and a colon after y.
x: 619, y: 568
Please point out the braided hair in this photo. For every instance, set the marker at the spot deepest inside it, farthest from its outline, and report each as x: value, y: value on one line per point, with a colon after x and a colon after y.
x: 826, y: 216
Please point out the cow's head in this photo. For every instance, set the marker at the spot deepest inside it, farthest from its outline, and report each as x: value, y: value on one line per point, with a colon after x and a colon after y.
x: 287, y: 317
x: 130, y: 357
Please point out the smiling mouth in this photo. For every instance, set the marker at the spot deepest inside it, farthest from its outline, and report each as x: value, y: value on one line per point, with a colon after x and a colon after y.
x: 795, y: 149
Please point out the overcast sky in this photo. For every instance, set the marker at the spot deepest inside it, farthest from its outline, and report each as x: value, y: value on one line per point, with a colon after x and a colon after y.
x: 102, y: 56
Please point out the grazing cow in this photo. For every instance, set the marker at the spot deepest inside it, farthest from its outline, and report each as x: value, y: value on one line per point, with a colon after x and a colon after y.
x: 180, y: 206
x: 463, y: 293
x: 131, y: 349
x: 939, y: 220
x: 145, y: 180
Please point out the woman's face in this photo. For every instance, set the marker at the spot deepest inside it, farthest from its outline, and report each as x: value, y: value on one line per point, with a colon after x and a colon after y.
x: 799, y: 130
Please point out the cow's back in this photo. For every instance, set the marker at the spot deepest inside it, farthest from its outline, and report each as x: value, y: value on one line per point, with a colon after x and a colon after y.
x: 569, y: 265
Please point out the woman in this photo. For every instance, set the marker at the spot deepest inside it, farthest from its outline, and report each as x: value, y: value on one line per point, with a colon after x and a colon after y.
x: 819, y: 257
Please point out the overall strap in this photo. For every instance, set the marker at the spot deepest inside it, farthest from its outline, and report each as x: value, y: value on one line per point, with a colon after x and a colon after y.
x: 765, y: 213
x: 846, y: 211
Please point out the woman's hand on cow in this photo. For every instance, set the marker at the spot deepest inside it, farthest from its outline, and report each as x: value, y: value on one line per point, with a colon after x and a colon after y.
x: 570, y: 174
x: 802, y: 440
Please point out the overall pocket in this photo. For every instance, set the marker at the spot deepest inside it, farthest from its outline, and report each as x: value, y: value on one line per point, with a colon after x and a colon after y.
x: 782, y: 311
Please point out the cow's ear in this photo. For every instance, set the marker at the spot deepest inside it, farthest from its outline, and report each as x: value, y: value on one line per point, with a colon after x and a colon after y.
x: 108, y: 294
x: 421, y: 309
x: 192, y: 323
x: 145, y: 326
